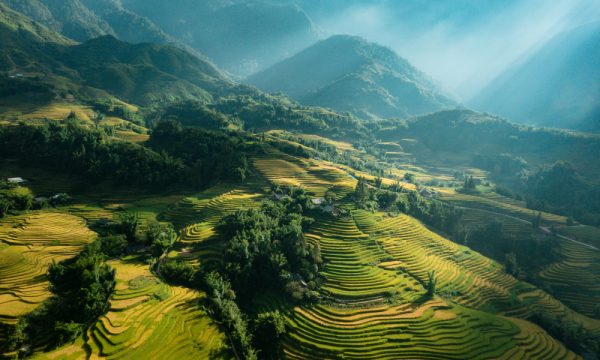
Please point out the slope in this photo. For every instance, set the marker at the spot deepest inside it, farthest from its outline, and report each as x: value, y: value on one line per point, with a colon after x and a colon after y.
x: 242, y: 37
x: 350, y: 74
x: 143, y: 74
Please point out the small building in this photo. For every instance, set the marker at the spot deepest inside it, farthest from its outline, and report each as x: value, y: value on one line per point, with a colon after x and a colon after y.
x: 280, y: 197
x: 317, y: 201
x: 427, y: 192
x: 16, y: 180
x: 299, y: 278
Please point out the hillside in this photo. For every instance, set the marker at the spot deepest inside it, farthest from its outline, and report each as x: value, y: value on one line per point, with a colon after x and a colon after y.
x: 456, y: 136
x: 143, y: 74
x: 556, y: 86
x: 152, y: 207
x: 242, y: 37
x: 349, y: 74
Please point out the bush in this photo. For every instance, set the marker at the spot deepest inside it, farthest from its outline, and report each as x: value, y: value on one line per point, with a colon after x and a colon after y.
x: 178, y: 272
x: 113, y: 245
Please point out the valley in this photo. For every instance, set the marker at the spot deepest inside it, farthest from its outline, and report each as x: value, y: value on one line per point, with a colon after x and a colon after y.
x: 176, y: 183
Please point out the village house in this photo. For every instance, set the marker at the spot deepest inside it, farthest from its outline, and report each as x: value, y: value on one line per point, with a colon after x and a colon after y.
x: 16, y: 180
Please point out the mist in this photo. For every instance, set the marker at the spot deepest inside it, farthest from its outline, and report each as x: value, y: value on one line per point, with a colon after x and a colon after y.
x: 461, y: 45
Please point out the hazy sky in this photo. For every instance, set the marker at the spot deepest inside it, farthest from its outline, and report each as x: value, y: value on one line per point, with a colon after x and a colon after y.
x: 461, y: 44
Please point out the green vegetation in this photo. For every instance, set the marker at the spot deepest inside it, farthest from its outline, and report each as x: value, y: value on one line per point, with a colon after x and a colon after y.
x: 207, y: 219
x: 82, y: 288
x: 348, y: 73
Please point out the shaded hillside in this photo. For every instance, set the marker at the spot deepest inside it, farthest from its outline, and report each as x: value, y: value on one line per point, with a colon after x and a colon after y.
x: 348, y: 73
x: 69, y: 17
x: 456, y: 136
x: 145, y: 74
x: 242, y: 37
x: 557, y: 86
x: 87, y: 19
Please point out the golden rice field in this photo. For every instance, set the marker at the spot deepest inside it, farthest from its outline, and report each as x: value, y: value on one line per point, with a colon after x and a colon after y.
x: 148, y: 318
x: 376, y: 268
x: 316, y: 177
x: 575, y: 279
x: 28, y: 245
x: 198, y: 215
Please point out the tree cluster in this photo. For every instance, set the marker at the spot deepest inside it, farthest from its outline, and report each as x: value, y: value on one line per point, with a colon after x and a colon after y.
x: 266, y: 250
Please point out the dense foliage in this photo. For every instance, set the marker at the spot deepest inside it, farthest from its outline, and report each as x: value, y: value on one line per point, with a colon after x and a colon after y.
x: 221, y: 300
x: 559, y: 188
x: 14, y: 198
x: 209, y: 156
x: 266, y: 250
x: 88, y: 154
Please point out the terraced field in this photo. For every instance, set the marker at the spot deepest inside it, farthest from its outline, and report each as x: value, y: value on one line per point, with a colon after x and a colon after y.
x: 497, y: 203
x: 352, y: 269
x: 461, y: 272
x: 575, y: 279
x: 376, y: 306
x: 198, y: 215
x: 147, y: 318
x: 28, y: 245
x: 317, y: 177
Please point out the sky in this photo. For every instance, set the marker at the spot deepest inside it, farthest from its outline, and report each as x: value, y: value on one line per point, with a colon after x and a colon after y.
x: 461, y: 44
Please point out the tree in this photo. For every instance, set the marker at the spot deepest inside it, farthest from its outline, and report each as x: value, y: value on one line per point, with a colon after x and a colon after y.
x: 221, y: 298
x: 113, y: 245
x: 362, y: 192
x: 163, y: 241
x: 431, y: 283
x: 178, y: 272
x: 511, y: 263
x: 409, y: 177
x: 269, y: 329
x: 129, y: 223
x: 537, y: 221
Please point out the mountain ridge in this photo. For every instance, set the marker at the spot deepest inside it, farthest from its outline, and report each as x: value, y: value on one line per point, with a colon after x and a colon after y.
x: 347, y: 73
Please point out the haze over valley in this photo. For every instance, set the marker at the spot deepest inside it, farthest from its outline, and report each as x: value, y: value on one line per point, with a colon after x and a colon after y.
x: 299, y: 179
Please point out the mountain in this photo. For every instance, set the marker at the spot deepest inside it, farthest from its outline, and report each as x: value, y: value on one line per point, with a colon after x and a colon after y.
x: 242, y: 37
x: 145, y: 74
x: 347, y: 73
x: 83, y: 20
x: 558, y: 86
x: 69, y: 17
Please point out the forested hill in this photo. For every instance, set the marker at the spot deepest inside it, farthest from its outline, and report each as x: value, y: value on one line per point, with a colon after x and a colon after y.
x: 348, y: 73
x: 242, y: 37
x: 456, y: 136
x: 83, y: 20
x: 144, y: 73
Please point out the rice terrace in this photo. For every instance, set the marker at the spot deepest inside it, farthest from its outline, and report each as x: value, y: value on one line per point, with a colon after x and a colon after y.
x: 298, y: 179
